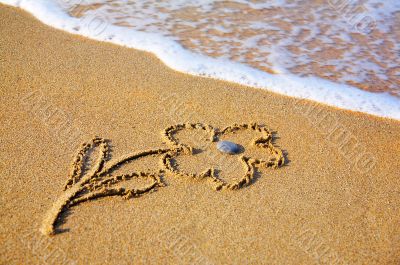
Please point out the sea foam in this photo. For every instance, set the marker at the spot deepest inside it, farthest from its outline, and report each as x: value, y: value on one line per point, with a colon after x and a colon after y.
x: 176, y: 57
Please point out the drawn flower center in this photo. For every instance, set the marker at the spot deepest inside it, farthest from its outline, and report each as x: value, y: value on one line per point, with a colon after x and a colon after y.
x: 229, y: 147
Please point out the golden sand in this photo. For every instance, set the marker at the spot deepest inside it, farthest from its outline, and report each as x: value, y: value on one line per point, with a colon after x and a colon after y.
x: 96, y: 183
x: 335, y: 200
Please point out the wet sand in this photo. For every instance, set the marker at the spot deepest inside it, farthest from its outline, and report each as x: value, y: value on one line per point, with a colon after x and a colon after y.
x: 346, y: 42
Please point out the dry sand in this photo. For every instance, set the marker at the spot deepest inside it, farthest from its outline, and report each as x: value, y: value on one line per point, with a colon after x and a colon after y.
x: 335, y: 201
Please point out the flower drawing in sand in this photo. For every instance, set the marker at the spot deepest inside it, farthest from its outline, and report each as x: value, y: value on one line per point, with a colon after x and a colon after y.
x: 93, y: 178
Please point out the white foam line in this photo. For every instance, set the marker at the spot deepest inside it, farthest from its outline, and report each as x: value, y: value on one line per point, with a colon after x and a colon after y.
x: 180, y: 59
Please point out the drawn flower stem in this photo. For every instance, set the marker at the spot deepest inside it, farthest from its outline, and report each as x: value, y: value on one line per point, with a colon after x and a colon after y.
x: 59, y: 206
x: 96, y: 183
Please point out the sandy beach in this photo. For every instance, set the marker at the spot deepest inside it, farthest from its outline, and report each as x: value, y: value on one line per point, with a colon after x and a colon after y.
x: 334, y: 200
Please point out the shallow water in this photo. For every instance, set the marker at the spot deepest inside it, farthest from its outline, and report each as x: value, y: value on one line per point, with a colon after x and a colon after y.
x: 352, y: 42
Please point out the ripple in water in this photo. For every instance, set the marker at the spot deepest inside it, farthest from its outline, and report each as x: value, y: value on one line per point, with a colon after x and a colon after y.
x: 352, y: 42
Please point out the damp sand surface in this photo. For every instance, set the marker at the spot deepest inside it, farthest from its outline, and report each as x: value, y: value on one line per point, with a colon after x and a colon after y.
x: 335, y: 200
x: 348, y: 42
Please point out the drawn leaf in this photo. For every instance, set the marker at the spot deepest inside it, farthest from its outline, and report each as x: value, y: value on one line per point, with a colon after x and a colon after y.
x: 105, y: 183
x: 85, y: 164
x: 91, y: 180
x: 117, y: 186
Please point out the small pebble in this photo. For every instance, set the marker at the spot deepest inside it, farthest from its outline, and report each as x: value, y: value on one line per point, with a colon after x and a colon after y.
x: 228, y: 147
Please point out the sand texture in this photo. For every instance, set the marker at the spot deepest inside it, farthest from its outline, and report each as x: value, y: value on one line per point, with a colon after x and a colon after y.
x: 109, y: 157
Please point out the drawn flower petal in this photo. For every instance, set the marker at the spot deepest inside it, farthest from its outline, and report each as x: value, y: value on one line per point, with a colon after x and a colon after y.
x: 189, y: 137
x: 254, y: 139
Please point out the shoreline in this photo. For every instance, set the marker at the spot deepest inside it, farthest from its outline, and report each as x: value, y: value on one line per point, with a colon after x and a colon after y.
x: 179, y: 59
x: 335, y: 200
